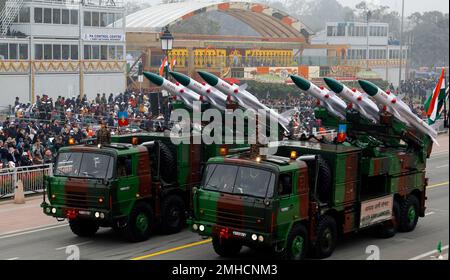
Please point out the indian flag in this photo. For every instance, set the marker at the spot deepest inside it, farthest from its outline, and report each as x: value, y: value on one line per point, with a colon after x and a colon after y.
x: 435, y: 102
x: 163, y: 66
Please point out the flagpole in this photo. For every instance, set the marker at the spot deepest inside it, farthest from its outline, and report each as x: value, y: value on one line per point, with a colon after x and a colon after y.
x: 445, y: 111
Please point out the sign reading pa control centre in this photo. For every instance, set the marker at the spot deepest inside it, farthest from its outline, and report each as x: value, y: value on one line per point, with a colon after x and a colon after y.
x: 104, y: 37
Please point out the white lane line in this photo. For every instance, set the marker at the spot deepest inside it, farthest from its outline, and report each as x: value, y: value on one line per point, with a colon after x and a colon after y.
x: 442, y: 166
x: 77, y: 244
x: 429, y: 213
x: 30, y: 231
x: 11, y: 259
x: 427, y: 254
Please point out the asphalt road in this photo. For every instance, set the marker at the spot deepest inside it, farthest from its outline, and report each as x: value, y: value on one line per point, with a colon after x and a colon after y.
x: 53, y: 242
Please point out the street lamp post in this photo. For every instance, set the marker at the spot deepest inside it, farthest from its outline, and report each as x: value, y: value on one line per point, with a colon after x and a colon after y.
x: 166, y: 45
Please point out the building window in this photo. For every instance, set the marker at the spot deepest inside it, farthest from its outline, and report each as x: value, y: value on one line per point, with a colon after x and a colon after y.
x: 24, y: 15
x: 13, y: 51
x: 38, y: 15
x: 65, y: 16
x: 65, y: 52
x: 103, y: 19
x: 3, y: 51
x: 74, y: 52
x: 23, y: 51
x: 118, y: 20
x: 87, y: 19
x: 56, y: 52
x: 119, y: 54
x: 95, y: 52
x: 38, y: 52
x: 87, y: 52
x: 341, y: 30
x: 47, y: 15
x: 74, y: 17
x: 331, y: 31
x: 48, y: 52
x: 95, y: 19
x: 56, y: 16
x: 111, y: 52
x: 104, y: 52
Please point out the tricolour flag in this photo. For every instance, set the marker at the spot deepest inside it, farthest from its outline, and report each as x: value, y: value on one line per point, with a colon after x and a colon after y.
x: 435, y: 102
x: 163, y: 66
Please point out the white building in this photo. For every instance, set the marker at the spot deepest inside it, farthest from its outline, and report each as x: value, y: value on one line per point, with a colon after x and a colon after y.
x: 383, y: 57
x: 61, y: 48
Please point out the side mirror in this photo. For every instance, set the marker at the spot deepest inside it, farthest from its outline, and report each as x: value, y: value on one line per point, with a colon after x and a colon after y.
x: 194, y: 190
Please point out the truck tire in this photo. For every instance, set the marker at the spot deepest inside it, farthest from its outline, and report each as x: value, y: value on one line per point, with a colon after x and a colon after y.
x: 173, y: 216
x: 388, y: 229
x: 297, y: 243
x: 83, y: 227
x: 326, y: 234
x: 138, y: 227
x: 225, y: 247
x: 409, y: 214
x: 168, y: 165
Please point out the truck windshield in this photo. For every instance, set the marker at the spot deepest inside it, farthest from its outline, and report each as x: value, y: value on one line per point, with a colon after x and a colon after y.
x: 78, y: 164
x: 239, y: 180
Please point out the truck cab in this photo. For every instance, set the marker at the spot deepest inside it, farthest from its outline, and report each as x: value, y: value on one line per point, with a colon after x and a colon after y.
x: 252, y: 202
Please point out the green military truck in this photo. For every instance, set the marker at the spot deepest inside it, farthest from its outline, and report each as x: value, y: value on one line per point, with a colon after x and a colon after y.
x: 139, y: 184
x: 306, y: 196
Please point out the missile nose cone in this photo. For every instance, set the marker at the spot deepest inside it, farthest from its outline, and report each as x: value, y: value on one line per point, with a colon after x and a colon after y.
x: 368, y: 87
x: 157, y: 80
x: 181, y: 78
x: 302, y: 83
x: 209, y: 78
x: 334, y: 85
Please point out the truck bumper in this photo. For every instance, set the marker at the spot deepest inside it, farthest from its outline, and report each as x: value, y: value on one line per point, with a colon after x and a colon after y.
x: 247, y: 237
x: 64, y: 212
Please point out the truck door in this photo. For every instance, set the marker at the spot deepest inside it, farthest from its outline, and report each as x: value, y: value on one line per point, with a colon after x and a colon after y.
x: 287, y: 200
x: 128, y: 183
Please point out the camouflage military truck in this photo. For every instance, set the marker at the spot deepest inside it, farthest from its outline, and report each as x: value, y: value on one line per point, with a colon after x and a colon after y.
x: 311, y: 192
x: 136, y: 185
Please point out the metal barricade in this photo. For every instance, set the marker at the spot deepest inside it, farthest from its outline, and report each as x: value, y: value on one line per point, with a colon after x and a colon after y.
x: 32, y: 178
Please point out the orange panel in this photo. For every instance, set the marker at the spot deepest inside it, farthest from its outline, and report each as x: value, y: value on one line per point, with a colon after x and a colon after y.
x: 287, y: 20
x: 186, y: 16
x: 223, y: 6
x: 257, y: 8
x: 262, y: 70
x: 303, y: 71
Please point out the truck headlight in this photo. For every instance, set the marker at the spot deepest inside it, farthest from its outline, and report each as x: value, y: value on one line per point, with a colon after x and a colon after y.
x: 54, y: 210
x: 48, y: 210
x: 201, y: 227
x: 102, y: 215
x: 96, y: 214
x: 261, y: 238
x: 254, y: 237
x: 195, y: 227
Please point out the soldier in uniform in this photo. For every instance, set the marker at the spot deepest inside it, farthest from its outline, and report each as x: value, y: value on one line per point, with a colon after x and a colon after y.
x: 103, y: 135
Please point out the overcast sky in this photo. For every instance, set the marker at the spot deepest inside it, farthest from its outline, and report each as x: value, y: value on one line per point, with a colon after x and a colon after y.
x: 411, y: 6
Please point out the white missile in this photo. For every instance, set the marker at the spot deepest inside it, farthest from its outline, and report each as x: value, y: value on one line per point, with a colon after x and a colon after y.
x: 210, y: 94
x: 243, y: 97
x: 398, y: 108
x: 359, y: 101
x: 328, y: 99
x: 184, y: 94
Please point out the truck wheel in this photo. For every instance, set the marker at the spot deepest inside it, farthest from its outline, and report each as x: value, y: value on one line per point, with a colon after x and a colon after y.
x: 168, y: 164
x: 139, y: 223
x: 388, y: 229
x: 297, y: 243
x: 83, y: 228
x: 225, y: 247
x: 409, y: 214
x: 173, y: 214
x: 324, y: 180
x: 326, y: 234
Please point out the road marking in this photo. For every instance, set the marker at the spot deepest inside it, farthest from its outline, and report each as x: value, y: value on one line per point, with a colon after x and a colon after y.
x: 427, y: 254
x: 445, y: 152
x: 442, y: 166
x: 78, y: 244
x: 429, y: 213
x: 11, y: 259
x: 13, y: 234
x: 172, y: 249
x: 437, y: 185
